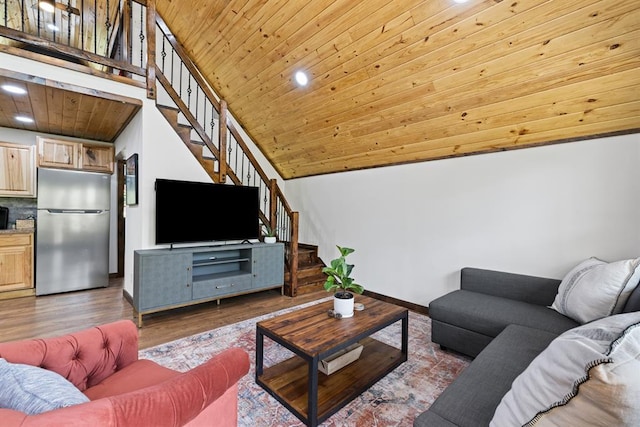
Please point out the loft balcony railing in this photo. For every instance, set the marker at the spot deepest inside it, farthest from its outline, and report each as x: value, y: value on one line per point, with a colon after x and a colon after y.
x: 126, y: 40
x: 108, y: 36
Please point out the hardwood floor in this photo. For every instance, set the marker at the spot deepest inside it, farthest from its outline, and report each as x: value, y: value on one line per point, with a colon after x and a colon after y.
x: 52, y: 315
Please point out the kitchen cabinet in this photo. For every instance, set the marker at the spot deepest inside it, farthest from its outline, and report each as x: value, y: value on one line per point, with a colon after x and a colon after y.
x: 16, y: 264
x: 87, y: 156
x: 53, y: 153
x: 17, y: 170
x: 96, y: 158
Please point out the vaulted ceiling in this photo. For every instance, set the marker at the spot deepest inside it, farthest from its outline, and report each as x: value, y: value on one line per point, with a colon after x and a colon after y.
x: 390, y: 81
x: 414, y: 80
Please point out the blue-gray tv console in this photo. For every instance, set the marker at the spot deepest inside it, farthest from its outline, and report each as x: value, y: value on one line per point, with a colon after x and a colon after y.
x: 164, y: 279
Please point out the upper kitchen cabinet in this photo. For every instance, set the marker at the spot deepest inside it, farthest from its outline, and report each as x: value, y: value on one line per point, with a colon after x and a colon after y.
x: 55, y: 153
x: 96, y: 158
x: 93, y: 157
x: 17, y: 170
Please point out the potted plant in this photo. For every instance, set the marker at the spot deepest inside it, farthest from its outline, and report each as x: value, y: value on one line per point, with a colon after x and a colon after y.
x: 270, y: 234
x: 339, y: 280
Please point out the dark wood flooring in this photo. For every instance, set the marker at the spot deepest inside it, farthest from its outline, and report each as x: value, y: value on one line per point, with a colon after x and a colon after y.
x: 53, y: 315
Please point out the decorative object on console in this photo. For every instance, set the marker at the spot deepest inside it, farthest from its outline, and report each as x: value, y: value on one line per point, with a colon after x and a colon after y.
x: 595, y: 289
x: 270, y: 234
x: 588, y: 375
x: 339, y: 280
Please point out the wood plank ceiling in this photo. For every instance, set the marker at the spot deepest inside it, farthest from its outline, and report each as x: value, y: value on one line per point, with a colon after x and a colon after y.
x: 64, y: 109
x: 413, y: 80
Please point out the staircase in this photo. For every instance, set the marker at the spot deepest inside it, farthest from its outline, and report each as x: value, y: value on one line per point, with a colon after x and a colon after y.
x: 201, y: 120
x: 310, y: 276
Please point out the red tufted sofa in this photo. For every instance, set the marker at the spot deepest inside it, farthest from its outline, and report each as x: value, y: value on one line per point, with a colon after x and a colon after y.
x: 125, y: 391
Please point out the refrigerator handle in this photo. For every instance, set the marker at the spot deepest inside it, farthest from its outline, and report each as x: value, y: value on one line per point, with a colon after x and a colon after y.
x: 81, y: 211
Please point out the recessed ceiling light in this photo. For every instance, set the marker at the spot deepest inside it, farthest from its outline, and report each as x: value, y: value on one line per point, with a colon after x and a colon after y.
x: 47, y: 5
x: 53, y: 27
x: 301, y: 78
x: 24, y: 119
x: 14, y: 89
x: 460, y: 1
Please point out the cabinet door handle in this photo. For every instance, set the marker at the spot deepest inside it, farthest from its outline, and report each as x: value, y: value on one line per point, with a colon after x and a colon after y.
x: 225, y: 286
x: 212, y: 258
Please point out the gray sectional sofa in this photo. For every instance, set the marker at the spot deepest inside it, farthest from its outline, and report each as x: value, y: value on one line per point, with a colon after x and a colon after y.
x: 503, y: 320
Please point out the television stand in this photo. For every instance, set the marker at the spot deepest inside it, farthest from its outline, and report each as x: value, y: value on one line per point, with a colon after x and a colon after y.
x: 164, y: 279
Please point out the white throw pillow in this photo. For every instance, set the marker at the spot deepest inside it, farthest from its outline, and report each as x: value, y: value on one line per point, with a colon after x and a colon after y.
x: 595, y: 289
x: 588, y: 376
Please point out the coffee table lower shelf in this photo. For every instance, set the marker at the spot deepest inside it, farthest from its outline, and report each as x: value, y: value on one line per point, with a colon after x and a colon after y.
x: 288, y: 380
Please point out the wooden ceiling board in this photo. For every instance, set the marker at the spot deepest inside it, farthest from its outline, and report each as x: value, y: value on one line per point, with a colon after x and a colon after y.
x: 38, y: 100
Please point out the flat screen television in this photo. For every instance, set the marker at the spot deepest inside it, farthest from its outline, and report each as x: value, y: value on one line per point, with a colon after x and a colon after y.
x: 188, y: 212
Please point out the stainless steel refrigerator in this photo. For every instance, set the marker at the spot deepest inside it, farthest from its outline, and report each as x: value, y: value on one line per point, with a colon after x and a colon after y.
x: 72, y: 231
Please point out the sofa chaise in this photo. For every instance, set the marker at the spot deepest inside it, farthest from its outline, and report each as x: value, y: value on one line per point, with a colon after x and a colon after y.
x: 503, y: 321
x: 102, y: 382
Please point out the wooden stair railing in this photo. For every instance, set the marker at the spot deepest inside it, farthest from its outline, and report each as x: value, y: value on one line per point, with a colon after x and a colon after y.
x: 230, y: 156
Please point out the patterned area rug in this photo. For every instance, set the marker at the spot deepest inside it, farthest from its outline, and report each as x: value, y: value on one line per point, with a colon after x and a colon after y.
x: 395, y: 400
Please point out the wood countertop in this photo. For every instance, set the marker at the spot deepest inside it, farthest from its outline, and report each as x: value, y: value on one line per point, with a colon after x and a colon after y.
x: 18, y: 231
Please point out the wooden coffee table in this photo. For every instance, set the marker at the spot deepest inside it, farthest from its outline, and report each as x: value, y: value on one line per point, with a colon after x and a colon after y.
x: 313, y: 336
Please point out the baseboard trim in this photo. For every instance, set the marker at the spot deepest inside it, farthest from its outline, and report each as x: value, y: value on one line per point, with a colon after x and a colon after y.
x: 126, y: 295
x: 411, y: 306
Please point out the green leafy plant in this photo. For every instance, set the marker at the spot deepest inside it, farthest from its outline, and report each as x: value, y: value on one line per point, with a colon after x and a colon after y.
x: 268, y: 231
x: 338, y: 274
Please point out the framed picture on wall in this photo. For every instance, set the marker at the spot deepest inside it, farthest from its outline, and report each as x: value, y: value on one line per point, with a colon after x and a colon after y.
x: 131, y: 180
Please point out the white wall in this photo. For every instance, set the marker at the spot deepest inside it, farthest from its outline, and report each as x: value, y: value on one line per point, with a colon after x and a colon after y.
x: 534, y: 211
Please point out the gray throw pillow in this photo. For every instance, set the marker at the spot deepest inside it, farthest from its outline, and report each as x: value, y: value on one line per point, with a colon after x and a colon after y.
x: 34, y: 390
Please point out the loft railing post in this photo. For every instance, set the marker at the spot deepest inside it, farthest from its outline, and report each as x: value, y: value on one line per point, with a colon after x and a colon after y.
x: 125, y: 41
x: 293, y: 255
x: 222, y: 142
x: 151, y: 49
x: 273, y: 201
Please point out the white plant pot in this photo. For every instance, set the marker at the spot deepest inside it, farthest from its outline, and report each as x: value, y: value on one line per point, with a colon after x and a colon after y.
x: 269, y: 239
x: 343, y: 306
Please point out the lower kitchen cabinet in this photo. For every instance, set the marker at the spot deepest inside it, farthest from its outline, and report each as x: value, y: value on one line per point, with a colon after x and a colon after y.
x: 16, y: 264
